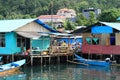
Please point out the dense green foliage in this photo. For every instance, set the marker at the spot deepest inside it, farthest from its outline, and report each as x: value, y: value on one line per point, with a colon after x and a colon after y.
x: 109, y: 15
x: 13, y: 9
x: 68, y: 25
x: 32, y: 8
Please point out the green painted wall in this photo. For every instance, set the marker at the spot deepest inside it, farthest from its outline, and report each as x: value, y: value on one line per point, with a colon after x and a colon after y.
x: 43, y: 43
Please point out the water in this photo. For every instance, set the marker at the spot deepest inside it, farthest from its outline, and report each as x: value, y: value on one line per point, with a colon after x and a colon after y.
x: 65, y: 72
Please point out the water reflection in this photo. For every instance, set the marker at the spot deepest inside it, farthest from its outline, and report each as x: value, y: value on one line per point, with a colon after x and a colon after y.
x: 18, y: 75
x: 66, y: 72
x: 71, y: 72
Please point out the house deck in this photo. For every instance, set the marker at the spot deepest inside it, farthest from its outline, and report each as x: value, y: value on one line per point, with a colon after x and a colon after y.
x: 46, y: 58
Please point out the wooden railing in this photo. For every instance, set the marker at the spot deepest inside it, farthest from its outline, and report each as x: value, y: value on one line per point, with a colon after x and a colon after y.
x: 61, y: 49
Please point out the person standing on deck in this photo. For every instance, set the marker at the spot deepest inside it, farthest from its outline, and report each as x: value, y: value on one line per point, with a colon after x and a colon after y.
x: 63, y: 43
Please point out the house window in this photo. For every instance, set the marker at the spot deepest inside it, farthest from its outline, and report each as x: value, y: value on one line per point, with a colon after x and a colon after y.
x: 2, y: 39
x: 94, y: 41
x: 89, y: 41
x: 21, y: 41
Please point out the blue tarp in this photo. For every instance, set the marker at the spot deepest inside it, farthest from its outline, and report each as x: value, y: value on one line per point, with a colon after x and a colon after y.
x: 45, y: 25
x: 102, y: 29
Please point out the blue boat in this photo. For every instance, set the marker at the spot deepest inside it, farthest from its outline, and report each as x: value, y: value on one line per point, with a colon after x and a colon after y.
x: 12, y: 67
x: 92, y: 62
x: 0, y: 58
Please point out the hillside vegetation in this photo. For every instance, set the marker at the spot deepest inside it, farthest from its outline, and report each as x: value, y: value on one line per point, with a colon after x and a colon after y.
x: 13, y: 9
x: 32, y: 8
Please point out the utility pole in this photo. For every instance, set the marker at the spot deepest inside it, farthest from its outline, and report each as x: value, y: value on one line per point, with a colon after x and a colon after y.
x: 52, y: 13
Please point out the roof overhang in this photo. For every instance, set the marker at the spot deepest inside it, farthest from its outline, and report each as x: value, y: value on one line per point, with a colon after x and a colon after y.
x: 113, y: 25
x: 32, y: 35
x: 118, y: 18
x: 11, y: 25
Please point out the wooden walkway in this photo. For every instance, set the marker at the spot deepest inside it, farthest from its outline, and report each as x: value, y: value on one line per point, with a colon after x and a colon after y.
x: 58, y: 56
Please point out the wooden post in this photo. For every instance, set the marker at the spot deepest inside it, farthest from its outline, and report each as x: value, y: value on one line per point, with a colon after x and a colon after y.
x: 45, y: 60
x: 12, y: 57
x: 58, y: 59
x: 49, y: 59
x: 31, y: 60
x: 31, y: 53
x: 41, y: 60
x: 67, y: 57
x: 68, y: 45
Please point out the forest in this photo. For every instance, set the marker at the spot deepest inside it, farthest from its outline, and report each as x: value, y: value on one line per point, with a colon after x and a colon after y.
x: 17, y: 9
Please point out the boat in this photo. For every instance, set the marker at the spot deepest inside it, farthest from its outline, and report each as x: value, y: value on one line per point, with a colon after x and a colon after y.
x: 0, y: 58
x: 92, y: 62
x: 12, y: 67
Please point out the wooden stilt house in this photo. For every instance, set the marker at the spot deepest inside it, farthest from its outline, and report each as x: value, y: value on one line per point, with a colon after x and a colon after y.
x: 100, y: 38
x: 16, y: 36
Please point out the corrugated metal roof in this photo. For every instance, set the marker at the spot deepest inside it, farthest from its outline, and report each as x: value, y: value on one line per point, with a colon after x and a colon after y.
x: 118, y: 18
x: 88, y: 29
x: 11, y: 25
x: 51, y: 17
x: 112, y: 24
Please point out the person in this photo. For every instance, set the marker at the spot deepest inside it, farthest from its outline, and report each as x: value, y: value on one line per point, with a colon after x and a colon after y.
x: 27, y: 52
x: 63, y: 43
x: 55, y: 43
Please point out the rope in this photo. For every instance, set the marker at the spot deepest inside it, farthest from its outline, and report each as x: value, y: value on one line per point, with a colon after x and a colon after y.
x: 29, y: 60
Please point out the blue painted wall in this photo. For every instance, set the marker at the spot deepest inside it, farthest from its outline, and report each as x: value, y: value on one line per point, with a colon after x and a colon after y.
x: 43, y: 43
x: 11, y: 44
x: 101, y: 29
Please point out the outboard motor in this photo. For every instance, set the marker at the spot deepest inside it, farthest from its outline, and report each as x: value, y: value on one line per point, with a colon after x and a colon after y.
x: 107, y: 59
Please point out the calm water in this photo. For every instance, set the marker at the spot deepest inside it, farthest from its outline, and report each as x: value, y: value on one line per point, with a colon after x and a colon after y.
x: 64, y: 72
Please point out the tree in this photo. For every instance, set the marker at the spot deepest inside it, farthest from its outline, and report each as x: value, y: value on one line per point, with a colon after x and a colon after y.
x: 68, y: 25
x: 1, y: 17
x: 109, y: 15
x: 92, y: 19
x: 9, y: 8
x: 81, y: 20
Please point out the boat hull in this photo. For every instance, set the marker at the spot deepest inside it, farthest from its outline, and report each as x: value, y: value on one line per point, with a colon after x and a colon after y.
x: 11, y: 68
x: 92, y: 62
x: 8, y: 72
x: 97, y: 63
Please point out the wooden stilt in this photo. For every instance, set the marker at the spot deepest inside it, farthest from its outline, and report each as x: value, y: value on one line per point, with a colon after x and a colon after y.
x: 7, y: 57
x: 49, y: 60
x: 58, y: 59
x: 31, y: 60
x: 45, y: 60
x: 12, y: 57
x: 67, y: 57
x: 41, y: 60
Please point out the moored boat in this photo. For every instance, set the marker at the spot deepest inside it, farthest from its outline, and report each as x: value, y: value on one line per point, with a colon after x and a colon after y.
x: 12, y: 67
x: 0, y: 58
x: 92, y: 62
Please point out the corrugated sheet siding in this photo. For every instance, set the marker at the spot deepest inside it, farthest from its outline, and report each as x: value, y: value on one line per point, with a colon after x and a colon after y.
x: 99, y: 49
x: 117, y: 37
x: 105, y: 39
x: 32, y: 27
